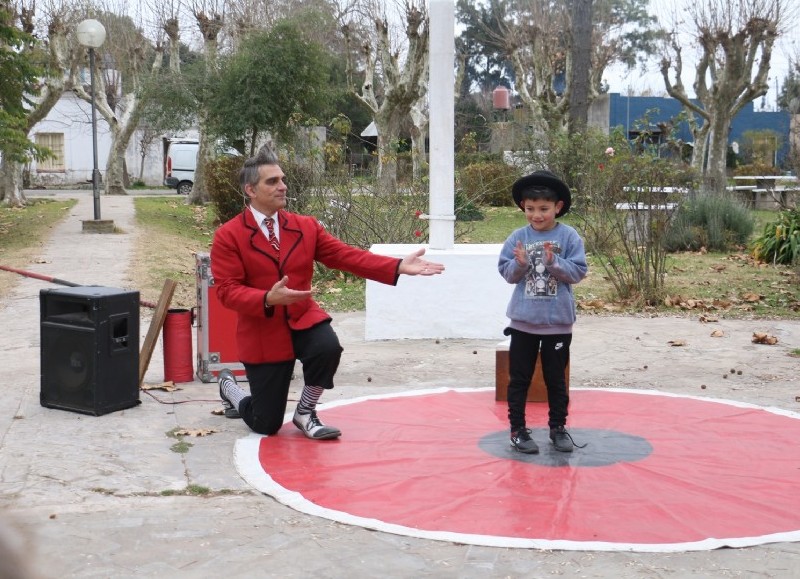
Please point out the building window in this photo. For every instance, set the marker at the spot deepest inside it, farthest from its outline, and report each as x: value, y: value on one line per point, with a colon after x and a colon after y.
x: 54, y: 142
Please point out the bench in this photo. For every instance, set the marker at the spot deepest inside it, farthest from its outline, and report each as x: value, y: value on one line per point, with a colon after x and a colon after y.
x: 537, y: 391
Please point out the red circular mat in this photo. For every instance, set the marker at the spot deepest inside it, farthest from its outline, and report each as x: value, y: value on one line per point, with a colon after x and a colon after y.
x: 659, y: 473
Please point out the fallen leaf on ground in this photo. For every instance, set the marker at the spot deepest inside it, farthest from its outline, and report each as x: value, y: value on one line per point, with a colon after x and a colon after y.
x: 677, y: 342
x: 751, y: 297
x: 706, y: 318
x: 168, y: 386
x: 763, y: 338
x: 194, y: 432
x: 717, y: 334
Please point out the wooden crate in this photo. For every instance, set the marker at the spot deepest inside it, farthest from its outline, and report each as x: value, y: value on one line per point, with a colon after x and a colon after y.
x: 538, y: 390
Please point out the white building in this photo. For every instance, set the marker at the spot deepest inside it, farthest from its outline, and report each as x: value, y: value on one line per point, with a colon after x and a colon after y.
x: 67, y: 132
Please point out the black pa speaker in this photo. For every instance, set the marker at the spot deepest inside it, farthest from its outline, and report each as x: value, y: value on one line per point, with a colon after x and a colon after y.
x: 89, y: 349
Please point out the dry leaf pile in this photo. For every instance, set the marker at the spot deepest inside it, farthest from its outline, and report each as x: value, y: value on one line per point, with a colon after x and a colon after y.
x: 194, y: 432
x: 764, y: 338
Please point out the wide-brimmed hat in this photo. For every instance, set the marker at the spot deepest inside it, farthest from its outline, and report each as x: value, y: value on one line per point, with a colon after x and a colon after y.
x: 542, y: 179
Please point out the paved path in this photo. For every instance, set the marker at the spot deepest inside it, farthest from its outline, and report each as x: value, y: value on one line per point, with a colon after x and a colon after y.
x: 96, y: 496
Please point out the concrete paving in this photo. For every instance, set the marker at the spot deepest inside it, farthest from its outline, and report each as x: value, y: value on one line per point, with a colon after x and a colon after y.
x: 106, y: 496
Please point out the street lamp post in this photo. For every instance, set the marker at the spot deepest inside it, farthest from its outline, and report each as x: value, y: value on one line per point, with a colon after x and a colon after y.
x: 92, y: 34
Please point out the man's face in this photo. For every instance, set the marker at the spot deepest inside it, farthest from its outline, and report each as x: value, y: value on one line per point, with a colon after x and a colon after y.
x: 268, y: 195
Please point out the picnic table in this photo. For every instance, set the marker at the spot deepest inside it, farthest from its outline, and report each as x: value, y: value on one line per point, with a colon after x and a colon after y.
x: 777, y: 186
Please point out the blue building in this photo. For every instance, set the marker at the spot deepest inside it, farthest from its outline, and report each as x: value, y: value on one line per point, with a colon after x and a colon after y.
x: 628, y: 112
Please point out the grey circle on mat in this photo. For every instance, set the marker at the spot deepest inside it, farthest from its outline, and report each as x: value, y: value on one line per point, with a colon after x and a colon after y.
x: 603, y: 448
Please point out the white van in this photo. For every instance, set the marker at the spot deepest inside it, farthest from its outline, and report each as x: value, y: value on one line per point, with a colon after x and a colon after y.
x: 180, y: 165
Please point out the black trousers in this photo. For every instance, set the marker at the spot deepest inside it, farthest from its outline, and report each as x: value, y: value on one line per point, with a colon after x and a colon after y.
x: 522, y: 355
x: 318, y: 350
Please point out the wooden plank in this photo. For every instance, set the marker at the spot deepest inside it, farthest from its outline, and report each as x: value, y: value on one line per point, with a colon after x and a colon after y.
x: 156, y: 324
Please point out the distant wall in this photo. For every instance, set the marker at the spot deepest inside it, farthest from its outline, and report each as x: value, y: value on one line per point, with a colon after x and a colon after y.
x: 628, y: 113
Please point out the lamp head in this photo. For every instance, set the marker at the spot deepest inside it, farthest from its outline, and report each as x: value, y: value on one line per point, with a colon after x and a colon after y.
x: 91, y: 33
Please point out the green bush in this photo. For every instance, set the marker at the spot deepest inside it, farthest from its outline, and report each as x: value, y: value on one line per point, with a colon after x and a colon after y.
x: 466, y: 210
x: 222, y: 182
x: 488, y: 183
x: 301, y: 180
x: 716, y: 223
x: 780, y: 240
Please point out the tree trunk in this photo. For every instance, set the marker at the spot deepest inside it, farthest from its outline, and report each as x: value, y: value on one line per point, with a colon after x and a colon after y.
x: 581, y: 65
x: 419, y: 135
x: 716, y: 178
x: 700, y: 148
x: 387, y: 123
x: 199, y: 194
x: 114, y: 178
x: 11, y: 191
x: 418, y: 157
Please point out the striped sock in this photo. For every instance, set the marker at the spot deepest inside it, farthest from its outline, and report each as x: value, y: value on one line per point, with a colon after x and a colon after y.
x: 309, y: 399
x: 233, y: 392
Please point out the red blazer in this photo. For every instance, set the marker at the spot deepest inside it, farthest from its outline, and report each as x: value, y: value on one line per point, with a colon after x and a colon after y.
x: 244, y: 267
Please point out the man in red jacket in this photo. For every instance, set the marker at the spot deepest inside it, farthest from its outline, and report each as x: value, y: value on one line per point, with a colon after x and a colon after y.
x: 262, y: 262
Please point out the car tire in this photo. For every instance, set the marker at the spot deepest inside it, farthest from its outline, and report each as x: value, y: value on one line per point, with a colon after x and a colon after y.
x: 184, y: 187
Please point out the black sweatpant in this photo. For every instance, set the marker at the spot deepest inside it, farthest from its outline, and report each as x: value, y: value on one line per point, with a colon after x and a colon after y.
x: 318, y: 350
x: 522, y: 362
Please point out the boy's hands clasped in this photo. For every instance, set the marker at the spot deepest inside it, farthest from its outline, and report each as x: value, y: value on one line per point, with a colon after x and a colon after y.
x: 521, y: 255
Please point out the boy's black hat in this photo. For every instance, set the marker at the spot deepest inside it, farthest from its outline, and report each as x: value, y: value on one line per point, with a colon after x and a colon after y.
x: 542, y: 179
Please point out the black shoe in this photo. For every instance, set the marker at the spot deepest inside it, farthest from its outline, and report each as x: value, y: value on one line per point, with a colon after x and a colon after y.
x: 562, y: 441
x: 522, y: 441
x: 228, y: 409
x: 313, y: 428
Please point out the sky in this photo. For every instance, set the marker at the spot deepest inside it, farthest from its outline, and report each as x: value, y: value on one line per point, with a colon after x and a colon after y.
x: 637, y: 81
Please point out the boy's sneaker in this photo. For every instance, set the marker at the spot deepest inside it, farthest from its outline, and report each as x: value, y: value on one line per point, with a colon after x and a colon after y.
x: 562, y: 441
x: 522, y: 441
x: 228, y: 409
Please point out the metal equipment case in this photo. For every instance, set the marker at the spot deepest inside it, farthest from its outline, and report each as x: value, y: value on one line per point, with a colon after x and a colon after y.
x: 216, y: 328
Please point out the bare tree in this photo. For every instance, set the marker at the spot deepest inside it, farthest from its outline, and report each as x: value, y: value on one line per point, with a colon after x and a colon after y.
x: 209, y: 15
x: 735, y: 39
x: 537, y: 37
x: 392, y: 85
x: 122, y: 67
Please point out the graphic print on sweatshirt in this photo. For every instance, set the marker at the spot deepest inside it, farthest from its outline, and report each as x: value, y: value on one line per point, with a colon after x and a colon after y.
x: 538, y: 281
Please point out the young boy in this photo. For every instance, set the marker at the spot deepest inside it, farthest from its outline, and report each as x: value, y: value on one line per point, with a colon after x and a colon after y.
x: 543, y: 259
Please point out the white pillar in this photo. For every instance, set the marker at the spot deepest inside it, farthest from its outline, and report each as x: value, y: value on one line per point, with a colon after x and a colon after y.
x: 442, y: 116
x: 469, y: 299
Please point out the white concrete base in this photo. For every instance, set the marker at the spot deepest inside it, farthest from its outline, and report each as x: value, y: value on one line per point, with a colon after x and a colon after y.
x: 467, y: 301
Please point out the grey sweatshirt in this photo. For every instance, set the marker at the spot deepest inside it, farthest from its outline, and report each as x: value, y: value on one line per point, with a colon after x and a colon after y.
x: 542, y: 302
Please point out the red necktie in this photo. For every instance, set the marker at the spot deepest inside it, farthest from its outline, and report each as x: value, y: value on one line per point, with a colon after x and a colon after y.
x: 273, y: 239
